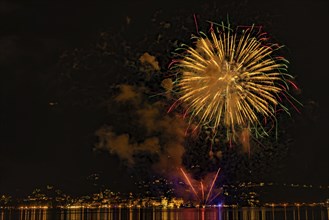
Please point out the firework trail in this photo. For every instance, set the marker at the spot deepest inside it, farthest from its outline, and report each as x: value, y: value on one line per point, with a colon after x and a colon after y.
x: 189, y: 183
x: 212, y: 185
x: 232, y: 79
x: 203, y: 200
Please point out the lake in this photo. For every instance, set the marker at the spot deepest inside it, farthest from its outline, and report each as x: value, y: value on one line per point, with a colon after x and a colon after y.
x: 220, y: 213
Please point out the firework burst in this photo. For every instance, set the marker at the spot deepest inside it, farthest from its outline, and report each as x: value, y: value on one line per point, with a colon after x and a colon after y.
x: 231, y: 78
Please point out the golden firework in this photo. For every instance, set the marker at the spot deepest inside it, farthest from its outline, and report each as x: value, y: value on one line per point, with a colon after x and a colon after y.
x: 231, y: 78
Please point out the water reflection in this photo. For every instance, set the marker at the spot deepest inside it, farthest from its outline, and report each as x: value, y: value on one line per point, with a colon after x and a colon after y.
x: 271, y: 213
x: 25, y: 214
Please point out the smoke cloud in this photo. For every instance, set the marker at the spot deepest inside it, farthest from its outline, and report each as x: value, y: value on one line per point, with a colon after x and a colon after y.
x: 162, y: 133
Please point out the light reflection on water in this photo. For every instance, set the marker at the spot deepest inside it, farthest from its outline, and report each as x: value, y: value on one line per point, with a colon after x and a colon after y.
x: 275, y: 213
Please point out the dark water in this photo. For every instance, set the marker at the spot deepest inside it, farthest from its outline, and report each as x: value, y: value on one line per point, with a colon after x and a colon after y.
x: 293, y: 213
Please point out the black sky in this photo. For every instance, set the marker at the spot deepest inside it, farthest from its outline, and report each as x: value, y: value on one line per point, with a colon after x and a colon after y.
x: 44, y: 145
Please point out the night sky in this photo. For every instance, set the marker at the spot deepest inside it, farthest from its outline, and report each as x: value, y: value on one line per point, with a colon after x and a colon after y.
x: 44, y: 140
